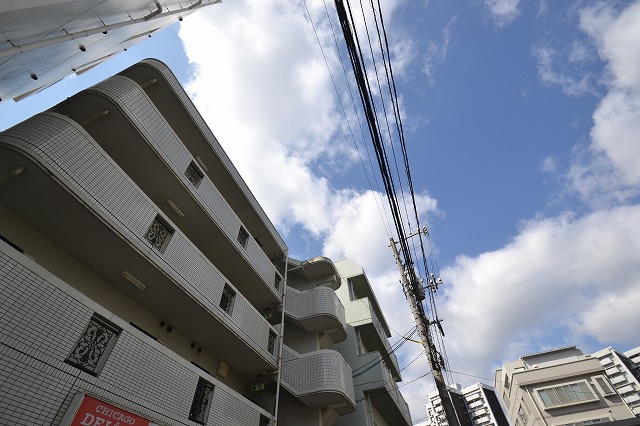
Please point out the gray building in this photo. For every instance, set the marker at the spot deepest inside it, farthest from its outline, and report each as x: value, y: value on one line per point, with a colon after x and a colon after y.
x: 476, y: 405
x: 367, y: 349
x: 558, y: 387
x: 142, y: 282
x: 43, y: 41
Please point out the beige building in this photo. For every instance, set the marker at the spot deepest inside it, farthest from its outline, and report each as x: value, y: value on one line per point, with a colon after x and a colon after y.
x: 558, y: 387
x: 375, y: 366
x: 142, y: 283
x: 43, y: 41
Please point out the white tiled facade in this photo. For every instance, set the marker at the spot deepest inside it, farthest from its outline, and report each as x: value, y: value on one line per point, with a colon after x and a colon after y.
x: 623, y: 370
x: 138, y: 270
x: 43, y: 41
x: 481, y: 407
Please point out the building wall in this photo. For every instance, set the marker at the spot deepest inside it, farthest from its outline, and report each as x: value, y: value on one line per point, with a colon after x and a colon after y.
x: 522, y: 385
x: 42, y: 319
x: 43, y: 41
x: 624, y: 375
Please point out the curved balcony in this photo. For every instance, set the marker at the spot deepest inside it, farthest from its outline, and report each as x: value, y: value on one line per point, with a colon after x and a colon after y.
x: 166, y: 92
x: 319, y: 379
x: 76, y: 196
x: 317, y: 310
x: 126, y: 124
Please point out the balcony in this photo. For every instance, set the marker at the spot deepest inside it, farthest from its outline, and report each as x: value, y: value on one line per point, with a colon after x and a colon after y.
x: 78, y: 198
x: 619, y: 379
x: 383, y: 391
x: 162, y: 87
x: 46, y: 318
x: 153, y: 156
x: 317, y: 310
x: 372, y: 332
x: 319, y: 379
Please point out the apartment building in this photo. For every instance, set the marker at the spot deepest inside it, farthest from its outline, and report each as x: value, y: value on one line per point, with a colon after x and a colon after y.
x: 43, y: 41
x: 142, y: 283
x: 476, y: 405
x: 376, y: 372
x: 559, y: 387
x: 623, y: 373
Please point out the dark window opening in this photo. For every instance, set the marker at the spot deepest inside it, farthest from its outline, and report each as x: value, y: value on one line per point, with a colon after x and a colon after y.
x: 159, y: 233
x: 94, y: 345
x: 226, y: 301
x: 201, y: 402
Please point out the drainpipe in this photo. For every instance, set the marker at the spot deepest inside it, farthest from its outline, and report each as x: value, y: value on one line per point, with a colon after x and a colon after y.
x: 284, y: 298
x: 102, y: 29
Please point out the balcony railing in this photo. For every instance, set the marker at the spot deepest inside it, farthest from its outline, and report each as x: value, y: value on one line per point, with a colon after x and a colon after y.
x: 66, y: 150
x: 37, y: 333
x: 149, y: 123
x: 319, y: 379
x: 317, y: 310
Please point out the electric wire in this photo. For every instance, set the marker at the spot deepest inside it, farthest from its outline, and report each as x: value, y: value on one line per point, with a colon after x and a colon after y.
x: 380, y: 210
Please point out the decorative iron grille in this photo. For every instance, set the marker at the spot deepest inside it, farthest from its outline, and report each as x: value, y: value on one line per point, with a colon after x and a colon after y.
x: 193, y: 174
x: 277, y: 282
x: 226, y: 301
x: 271, y: 343
x: 93, y: 347
x: 158, y: 234
x: 243, y: 236
x: 264, y: 421
x: 201, y: 402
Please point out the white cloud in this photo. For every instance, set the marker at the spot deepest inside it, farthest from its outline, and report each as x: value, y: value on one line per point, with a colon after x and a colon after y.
x: 552, y: 69
x: 614, y: 148
x: 502, y: 12
x: 562, y: 272
x: 267, y: 96
x: 436, y: 52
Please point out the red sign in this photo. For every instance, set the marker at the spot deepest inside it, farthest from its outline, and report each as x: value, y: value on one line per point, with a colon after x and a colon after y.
x: 93, y: 412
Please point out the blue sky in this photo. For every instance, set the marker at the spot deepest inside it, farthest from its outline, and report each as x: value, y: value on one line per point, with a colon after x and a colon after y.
x: 522, y: 123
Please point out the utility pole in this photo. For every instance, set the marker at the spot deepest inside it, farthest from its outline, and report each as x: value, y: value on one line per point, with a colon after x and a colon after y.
x: 422, y: 323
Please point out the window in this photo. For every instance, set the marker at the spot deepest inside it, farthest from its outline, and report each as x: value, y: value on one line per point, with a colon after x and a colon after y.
x: 264, y: 421
x: 277, y: 281
x: 588, y: 422
x: 93, y: 347
x: 568, y: 394
x: 271, y: 343
x: 193, y: 174
x: 201, y: 402
x: 243, y: 237
x: 505, y: 398
x: 159, y: 233
x: 523, y: 414
x: 226, y: 301
x: 604, y: 386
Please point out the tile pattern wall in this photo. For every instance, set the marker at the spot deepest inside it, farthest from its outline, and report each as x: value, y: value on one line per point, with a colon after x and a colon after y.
x: 319, y: 301
x: 199, y: 121
x: 132, y: 99
x: 66, y: 148
x: 320, y: 371
x: 39, y: 325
